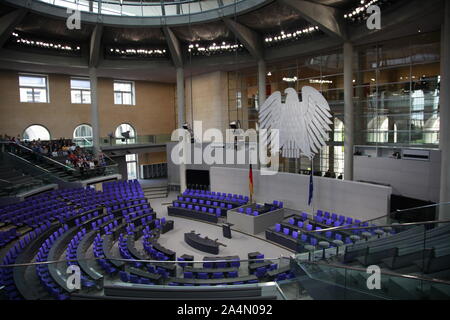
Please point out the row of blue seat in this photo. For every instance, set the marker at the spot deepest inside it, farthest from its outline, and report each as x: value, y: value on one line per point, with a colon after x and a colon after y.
x: 217, y: 211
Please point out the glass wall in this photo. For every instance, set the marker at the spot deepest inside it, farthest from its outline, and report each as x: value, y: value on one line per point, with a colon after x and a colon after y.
x: 396, y: 91
x: 396, y: 96
x: 323, y: 72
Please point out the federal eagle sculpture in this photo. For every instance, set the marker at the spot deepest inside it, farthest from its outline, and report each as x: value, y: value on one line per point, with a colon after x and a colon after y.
x: 303, y: 125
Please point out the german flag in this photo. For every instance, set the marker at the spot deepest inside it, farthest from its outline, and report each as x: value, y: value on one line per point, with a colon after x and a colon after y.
x: 250, y: 183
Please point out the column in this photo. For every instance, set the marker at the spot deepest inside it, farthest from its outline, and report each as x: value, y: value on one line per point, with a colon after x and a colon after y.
x: 444, y: 130
x: 348, y: 111
x: 261, y: 82
x: 94, y: 111
x: 181, y: 119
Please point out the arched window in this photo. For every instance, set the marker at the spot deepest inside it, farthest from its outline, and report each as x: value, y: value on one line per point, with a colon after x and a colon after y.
x: 431, y: 130
x: 36, y: 132
x: 378, y: 129
x: 121, y: 134
x: 82, y: 135
x: 338, y: 130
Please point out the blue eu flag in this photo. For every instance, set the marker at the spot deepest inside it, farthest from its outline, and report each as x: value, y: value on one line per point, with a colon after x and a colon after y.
x: 311, y: 188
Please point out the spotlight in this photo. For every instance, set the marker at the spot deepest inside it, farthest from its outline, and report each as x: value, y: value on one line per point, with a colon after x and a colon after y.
x: 235, y: 125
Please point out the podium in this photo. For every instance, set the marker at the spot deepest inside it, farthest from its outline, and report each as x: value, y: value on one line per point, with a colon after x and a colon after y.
x: 226, y: 230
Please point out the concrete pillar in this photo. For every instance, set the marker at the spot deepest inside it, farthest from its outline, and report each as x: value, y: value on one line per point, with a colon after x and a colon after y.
x: 181, y: 119
x: 444, y: 98
x: 95, y: 123
x: 261, y: 82
x: 348, y: 111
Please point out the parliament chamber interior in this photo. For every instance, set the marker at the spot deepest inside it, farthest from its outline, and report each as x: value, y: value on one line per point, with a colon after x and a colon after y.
x: 224, y: 150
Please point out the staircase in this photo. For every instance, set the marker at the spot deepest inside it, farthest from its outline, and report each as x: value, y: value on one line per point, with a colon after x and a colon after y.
x: 53, y: 168
x: 155, y: 192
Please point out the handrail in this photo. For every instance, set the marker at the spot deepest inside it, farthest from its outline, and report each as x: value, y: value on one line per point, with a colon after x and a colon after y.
x: 135, y: 260
x: 379, y: 226
x: 45, y: 157
x: 25, y: 160
x: 388, y: 273
x: 2, y: 180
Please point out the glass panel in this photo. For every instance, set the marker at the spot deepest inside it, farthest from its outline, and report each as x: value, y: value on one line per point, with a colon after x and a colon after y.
x: 40, y: 95
x: 117, y: 98
x: 32, y: 81
x: 131, y: 170
x: 86, y: 96
x: 76, y: 96
x: 80, y: 84
x: 130, y: 157
x: 26, y: 95
x: 122, y: 86
x: 127, y: 98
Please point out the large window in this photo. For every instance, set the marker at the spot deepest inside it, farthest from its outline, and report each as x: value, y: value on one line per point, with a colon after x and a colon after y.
x: 124, y: 92
x: 33, y: 88
x: 396, y: 85
x: 36, y: 132
x: 82, y: 135
x: 80, y: 90
x: 125, y: 133
x: 131, y: 160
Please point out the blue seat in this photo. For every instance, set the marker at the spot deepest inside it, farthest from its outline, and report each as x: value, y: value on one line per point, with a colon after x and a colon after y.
x: 334, y: 216
x: 260, y: 272
x: 295, y: 234
x: 286, y: 231
x: 292, y: 221
x: 134, y: 279
x: 217, y: 275
x: 278, y: 227
x: 188, y: 275
x: 300, y: 224
x: 255, y: 213
x: 124, y: 276
x: 326, y: 215
x: 319, y: 213
x: 304, y: 216
x: 309, y: 227
x: 202, y: 275
x: 232, y: 274
x: 241, y: 210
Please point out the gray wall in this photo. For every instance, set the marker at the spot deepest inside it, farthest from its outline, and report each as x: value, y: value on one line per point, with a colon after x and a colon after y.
x: 353, y: 199
x: 122, y: 166
x: 410, y: 178
x: 173, y: 171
